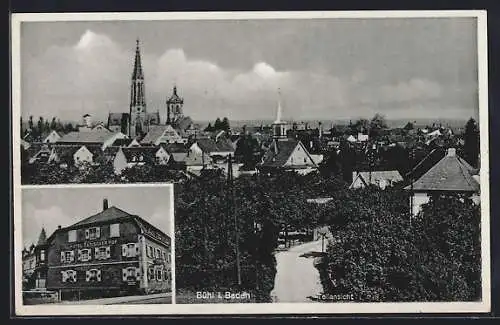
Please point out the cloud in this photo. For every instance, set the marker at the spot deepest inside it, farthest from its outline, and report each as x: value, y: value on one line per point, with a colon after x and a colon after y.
x: 93, y: 76
x: 414, y: 89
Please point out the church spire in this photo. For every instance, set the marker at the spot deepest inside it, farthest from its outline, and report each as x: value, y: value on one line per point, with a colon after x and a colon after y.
x: 137, y: 73
x: 279, y: 109
x: 279, y: 126
x: 138, y: 116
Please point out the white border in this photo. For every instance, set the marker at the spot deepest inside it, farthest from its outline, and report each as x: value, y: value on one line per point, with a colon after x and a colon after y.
x: 271, y: 308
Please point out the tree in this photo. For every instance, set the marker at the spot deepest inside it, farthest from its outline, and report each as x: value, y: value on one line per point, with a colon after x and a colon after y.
x: 471, y: 142
x: 225, y: 124
x: 53, y: 124
x: 377, y: 124
x: 381, y: 254
x: 40, y: 126
x: 209, y: 128
x: 361, y: 125
x: 217, y: 124
x: 30, y: 123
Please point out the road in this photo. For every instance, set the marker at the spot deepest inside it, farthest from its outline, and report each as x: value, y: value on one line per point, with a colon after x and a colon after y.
x: 296, y: 276
x: 159, y: 298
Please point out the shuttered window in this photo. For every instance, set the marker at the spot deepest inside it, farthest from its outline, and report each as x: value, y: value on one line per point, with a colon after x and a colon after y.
x: 67, y: 256
x: 71, y: 236
x: 68, y: 276
x: 102, y: 253
x: 93, y: 275
x: 84, y: 255
x: 130, y: 250
x: 114, y: 230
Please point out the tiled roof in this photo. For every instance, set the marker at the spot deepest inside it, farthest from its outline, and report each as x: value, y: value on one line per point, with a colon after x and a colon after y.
x: 110, y: 214
x: 147, y: 153
x: 279, y: 152
x: 86, y: 137
x: 156, y: 131
x: 209, y: 145
x: 225, y: 145
x: 174, y: 147
x: 451, y: 173
x: 183, y: 123
x: 122, y: 142
x: 392, y: 175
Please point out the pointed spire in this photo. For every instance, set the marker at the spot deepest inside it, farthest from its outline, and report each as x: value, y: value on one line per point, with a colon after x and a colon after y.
x: 137, y: 73
x: 279, y: 109
x: 42, y: 238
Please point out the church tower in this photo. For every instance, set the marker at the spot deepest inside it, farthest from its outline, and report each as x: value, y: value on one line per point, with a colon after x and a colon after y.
x: 138, y: 116
x: 174, y: 107
x: 279, y: 126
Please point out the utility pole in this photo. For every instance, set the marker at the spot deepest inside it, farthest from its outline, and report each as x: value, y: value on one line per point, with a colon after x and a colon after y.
x: 412, y: 157
x: 236, y: 230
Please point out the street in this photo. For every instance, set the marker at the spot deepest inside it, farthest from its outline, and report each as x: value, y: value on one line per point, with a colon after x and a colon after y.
x: 296, y: 276
x: 158, y: 298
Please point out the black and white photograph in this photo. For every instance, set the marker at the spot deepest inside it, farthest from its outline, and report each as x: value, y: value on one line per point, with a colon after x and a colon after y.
x: 96, y: 245
x: 318, y: 160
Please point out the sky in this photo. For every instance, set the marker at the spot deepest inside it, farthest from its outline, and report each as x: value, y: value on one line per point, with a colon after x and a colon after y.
x: 50, y: 207
x: 324, y: 68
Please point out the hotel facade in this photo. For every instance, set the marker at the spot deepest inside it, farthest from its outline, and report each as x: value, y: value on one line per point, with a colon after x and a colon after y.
x: 109, y: 253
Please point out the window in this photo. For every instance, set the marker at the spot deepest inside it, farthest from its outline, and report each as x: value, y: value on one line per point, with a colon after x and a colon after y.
x: 71, y: 236
x: 165, y: 275
x: 67, y: 256
x: 84, y: 255
x: 130, y: 273
x: 157, y: 253
x: 130, y: 250
x: 159, y: 274
x: 150, y: 251
x: 93, y: 233
x: 114, y: 230
x: 93, y: 275
x: 68, y: 276
x: 42, y: 255
x: 141, y: 158
x: 151, y: 273
x: 102, y: 253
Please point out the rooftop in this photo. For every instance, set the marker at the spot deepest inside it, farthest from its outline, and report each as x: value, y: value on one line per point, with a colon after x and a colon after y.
x: 451, y: 173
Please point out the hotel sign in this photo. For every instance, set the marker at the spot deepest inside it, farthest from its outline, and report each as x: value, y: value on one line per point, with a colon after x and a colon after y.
x: 95, y: 243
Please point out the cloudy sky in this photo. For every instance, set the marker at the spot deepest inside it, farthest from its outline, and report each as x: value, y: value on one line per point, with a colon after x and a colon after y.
x: 51, y: 207
x: 326, y: 68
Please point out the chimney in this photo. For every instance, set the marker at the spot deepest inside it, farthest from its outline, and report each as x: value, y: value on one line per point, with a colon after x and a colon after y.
x: 59, y: 227
x: 452, y: 152
x: 104, y: 204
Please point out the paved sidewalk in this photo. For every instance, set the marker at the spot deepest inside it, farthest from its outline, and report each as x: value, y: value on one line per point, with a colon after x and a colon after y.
x: 116, y: 300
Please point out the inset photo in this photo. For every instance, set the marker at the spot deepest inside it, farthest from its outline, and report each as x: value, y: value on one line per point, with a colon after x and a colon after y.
x: 97, y: 245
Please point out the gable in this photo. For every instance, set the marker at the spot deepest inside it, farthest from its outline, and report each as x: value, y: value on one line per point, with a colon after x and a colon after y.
x: 299, y: 157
